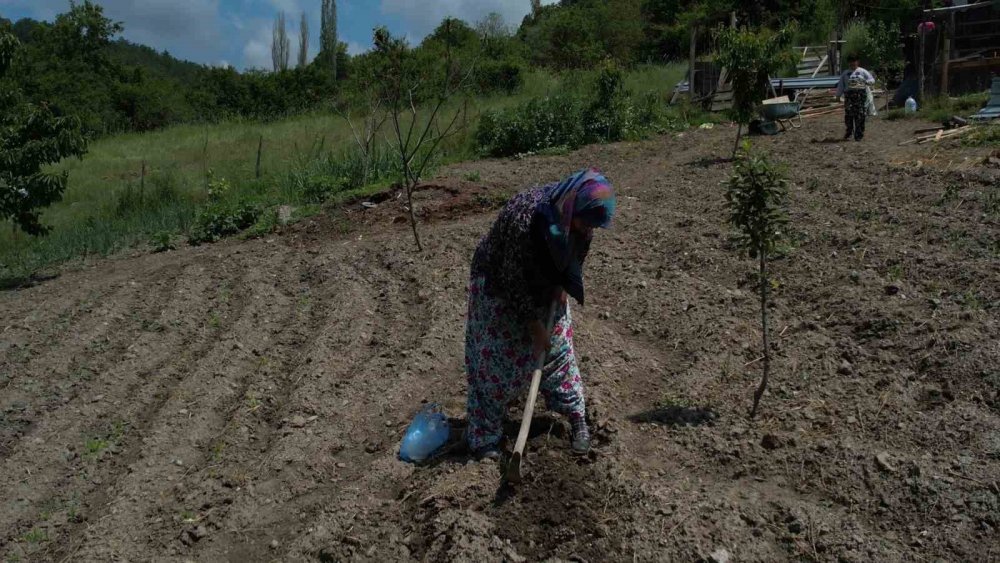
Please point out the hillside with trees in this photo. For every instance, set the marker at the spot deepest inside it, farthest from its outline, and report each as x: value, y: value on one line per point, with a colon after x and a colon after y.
x: 127, y: 87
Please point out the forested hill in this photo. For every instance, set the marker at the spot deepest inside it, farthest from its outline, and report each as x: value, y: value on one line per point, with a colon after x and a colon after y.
x: 78, y: 65
x: 161, y: 65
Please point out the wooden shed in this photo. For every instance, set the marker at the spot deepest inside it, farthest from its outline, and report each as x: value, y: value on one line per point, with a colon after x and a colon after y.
x: 964, y: 55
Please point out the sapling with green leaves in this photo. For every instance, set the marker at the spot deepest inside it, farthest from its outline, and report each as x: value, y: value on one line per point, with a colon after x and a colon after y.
x: 756, y: 195
x: 751, y: 57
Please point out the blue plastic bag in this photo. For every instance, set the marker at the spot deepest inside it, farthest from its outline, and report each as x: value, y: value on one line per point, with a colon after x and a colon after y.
x: 425, y: 435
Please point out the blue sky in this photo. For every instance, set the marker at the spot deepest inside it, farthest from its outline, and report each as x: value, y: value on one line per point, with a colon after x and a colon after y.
x: 238, y: 32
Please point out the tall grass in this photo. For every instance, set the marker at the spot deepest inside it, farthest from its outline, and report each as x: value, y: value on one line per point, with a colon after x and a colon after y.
x: 108, y: 207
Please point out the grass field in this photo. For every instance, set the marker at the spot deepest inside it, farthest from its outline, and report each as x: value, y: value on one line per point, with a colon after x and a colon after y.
x: 109, y: 206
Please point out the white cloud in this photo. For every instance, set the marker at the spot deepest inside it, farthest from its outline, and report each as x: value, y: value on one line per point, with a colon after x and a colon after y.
x: 355, y: 48
x: 290, y: 7
x: 422, y: 16
x: 257, y: 50
x: 190, y: 24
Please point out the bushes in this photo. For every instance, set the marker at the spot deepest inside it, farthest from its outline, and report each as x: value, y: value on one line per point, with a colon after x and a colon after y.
x: 985, y: 136
x: 317, y: 180
x: 877, y: 45
x: 538, y: 124
x: 571, y: 119
x: 504, y: 77
x: 222, y: 219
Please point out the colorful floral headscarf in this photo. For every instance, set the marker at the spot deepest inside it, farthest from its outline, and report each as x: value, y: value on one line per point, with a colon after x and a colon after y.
x: 586, y: 195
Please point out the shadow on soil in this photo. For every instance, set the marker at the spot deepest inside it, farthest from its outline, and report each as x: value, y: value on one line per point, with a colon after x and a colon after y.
x: 24, y: 282
x: 709, y: 162
x: 675, y: 415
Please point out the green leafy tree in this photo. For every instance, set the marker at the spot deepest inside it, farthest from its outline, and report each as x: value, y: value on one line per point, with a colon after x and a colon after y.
x: 751, y: 58
x: 281, y: 45
x: 756, y: 196
x: 581, y: 33
x: 303, y: 41
x: 31, y: 138
x: 329, y: 44
x: 878, y: 45
x: 67, y: 66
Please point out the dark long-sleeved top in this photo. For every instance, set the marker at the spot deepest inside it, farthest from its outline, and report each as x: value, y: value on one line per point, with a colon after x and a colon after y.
x: 515, y: 260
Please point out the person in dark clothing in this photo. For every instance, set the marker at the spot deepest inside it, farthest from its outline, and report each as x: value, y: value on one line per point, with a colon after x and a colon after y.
x: 854, y: 87
x: 521, y: 273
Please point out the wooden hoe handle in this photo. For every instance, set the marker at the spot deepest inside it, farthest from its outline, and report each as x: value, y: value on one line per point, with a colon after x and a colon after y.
x: 514, y: 466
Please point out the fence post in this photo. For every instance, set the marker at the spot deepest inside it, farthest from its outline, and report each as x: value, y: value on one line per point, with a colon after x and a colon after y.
x: 692, y: 61
x: 260, y: 147
x: 204, y: 161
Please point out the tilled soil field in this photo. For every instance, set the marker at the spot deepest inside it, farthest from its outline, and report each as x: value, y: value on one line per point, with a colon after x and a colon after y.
x: 244, y: 401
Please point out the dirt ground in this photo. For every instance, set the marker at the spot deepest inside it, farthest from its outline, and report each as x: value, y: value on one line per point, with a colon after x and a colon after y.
x: 244, y: 401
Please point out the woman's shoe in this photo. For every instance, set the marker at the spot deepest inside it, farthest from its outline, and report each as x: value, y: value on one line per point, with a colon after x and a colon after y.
x: 580, y: 444
x: 488, y: 453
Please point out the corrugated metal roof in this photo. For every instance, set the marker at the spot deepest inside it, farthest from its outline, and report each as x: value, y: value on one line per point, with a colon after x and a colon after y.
x: 786, y: 83
x: 806, y: 83
x: 957, y: 8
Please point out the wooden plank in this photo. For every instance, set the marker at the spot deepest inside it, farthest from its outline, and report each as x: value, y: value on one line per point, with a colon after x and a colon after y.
x: 821, y: 113
x: 822, y: 63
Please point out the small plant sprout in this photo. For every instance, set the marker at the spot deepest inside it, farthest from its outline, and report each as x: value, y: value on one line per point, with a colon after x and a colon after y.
x: 35, y: 536
x: 161, y: 241
x: 756, y: 194
x: 94, y: 446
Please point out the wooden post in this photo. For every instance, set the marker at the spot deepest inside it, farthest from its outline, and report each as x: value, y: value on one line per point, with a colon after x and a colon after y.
x: 260, y: 147
x: 204, y: 161
x: 839, y: 36
x: 693, y: 58
x: 920, y: 59
x: 946, y: 62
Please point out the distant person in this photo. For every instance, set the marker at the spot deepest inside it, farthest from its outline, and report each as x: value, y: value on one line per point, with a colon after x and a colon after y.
x: 854, y: 88
x: 521, y: 271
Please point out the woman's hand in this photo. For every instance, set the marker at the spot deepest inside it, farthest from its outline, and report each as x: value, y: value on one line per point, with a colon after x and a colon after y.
x: 540, y: 339
x: 560, y: 296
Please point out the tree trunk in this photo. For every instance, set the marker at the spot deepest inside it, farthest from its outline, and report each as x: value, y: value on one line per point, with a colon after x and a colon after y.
x: 413, y: 216
x: 763, y: 326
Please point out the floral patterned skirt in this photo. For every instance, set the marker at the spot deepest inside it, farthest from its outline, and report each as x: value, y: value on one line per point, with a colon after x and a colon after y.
x: 499, y: 364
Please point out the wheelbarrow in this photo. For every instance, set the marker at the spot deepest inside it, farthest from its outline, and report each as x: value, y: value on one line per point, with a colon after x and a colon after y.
x: 784, y: 113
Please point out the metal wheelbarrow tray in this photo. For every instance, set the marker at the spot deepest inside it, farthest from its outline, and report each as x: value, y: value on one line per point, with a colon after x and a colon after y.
x: 784, y: 113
